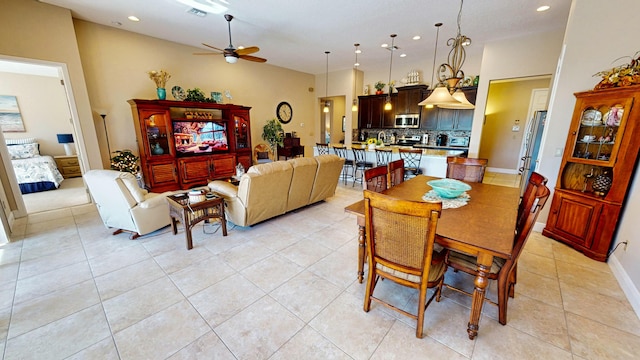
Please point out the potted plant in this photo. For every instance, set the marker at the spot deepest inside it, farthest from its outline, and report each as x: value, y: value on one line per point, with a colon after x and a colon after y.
x: 125, y: 161
x: 273, y: 134
x: 379, y: 86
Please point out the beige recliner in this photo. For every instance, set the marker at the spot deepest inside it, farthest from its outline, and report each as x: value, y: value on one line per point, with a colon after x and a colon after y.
x: 272, y: 189
x: 123, y: 205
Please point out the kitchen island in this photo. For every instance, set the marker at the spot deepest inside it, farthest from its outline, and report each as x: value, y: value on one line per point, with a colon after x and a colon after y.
x: 433, y: 162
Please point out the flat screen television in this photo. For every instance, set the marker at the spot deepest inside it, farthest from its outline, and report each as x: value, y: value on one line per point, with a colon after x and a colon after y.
x: 200, y: 137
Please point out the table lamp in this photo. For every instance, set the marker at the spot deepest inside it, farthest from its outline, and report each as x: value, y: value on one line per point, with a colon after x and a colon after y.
x: 67, y: 141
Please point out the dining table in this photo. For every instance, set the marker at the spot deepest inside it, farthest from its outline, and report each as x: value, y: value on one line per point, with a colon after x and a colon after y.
x: 484, y: 227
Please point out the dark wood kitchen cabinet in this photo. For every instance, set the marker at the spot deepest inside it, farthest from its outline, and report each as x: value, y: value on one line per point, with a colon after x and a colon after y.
x: 408, y: 99
x: 597, y: 166
x: 371, y: 113
x: 448, y: 119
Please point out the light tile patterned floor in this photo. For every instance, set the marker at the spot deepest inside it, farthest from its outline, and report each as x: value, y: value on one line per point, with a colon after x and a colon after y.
x: 284, y: 289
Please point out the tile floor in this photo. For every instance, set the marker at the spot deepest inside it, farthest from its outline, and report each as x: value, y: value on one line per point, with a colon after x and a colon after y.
x: 284, y: 289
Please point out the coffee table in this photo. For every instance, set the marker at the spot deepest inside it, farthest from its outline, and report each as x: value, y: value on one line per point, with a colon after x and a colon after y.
x: 180, y: 209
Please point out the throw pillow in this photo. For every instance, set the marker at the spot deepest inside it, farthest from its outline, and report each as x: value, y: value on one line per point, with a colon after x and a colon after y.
x: 23, y: 151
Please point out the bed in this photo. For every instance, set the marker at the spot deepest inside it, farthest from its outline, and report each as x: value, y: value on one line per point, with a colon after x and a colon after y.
x: 33, y: 171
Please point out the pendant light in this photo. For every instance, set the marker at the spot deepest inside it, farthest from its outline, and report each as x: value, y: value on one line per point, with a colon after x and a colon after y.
x: 354, y: 106
x: 440, y: 94
x: 387, y: 104
x: 326, y: 87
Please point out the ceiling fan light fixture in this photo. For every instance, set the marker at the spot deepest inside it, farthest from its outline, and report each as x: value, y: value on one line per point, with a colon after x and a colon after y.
x: 230, y: 59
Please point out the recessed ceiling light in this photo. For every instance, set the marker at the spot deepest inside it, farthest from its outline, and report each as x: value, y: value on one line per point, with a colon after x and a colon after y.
x: 205, y: 5
x: 356, y: 64
x: 358, y: 51
x: 543, y: 8
x: 133, y: 18
x: 403, y: 55
x: 385, y: 45
x: 417, y: 37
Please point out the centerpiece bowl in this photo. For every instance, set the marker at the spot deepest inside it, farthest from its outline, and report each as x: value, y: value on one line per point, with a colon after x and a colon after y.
x: 448, y: 188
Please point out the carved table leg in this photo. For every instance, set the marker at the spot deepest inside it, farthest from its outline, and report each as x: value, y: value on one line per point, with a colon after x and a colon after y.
x: 481, y: 282
x: 361, y: 245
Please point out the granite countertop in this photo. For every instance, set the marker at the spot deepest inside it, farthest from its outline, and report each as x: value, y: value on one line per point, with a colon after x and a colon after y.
x: 434, y: 152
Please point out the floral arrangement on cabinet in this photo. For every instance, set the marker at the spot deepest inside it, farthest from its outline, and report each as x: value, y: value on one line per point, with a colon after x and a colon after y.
x: 623, y: 75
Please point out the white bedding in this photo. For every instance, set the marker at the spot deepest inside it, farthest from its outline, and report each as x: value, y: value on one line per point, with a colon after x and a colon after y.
x: 37, y: 169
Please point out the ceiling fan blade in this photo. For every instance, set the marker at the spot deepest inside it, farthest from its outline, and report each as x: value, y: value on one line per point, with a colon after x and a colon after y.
x: 253, y: 58
x: 248, y: 50
x: 213, y: 47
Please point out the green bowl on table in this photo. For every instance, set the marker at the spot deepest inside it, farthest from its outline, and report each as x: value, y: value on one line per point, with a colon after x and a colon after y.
x: 448, y: 188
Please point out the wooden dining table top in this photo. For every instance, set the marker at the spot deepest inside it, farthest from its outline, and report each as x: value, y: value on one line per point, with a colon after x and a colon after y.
x: 486, y: 224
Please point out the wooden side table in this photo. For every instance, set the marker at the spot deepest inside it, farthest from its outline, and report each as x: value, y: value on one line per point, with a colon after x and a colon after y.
x: 180, y: 209
x: 68, y: 165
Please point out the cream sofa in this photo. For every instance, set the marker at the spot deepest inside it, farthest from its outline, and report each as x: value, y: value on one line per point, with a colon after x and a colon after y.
x: 272, y: 189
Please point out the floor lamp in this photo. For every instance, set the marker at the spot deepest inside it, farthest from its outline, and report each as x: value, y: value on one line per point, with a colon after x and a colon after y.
x: 106, y: 134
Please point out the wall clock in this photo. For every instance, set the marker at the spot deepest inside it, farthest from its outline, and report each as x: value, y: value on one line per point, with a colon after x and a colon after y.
x: 284, y: 112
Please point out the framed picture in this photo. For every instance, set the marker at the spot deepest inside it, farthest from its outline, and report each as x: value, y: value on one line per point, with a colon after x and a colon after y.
x: 344, y: 121
x: 10, y: 117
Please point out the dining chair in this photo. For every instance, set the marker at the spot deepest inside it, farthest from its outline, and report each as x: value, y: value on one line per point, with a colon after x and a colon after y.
x: 361, y: 164
x: 395, y: 172
x: 411, y: 159
x: 466, y: 169
x: 400, y: 237
x: 504, y: 271
x: 376, y: 178
x: 262, y: 154
x: 323, y: 149
x: 383, y: 157
x: 347, y: 168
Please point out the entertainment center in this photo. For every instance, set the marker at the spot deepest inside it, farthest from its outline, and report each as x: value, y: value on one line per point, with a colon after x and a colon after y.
x: 185, y: 144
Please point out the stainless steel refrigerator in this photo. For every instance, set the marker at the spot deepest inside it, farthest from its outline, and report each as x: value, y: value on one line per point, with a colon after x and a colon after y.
x: 533, y: 137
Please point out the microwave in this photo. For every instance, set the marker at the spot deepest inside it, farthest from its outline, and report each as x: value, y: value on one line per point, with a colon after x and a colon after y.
x: 407, y: 121
x: 462, y: 141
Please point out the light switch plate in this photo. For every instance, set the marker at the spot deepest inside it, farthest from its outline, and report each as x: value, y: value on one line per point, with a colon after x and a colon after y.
x: 515, y: 128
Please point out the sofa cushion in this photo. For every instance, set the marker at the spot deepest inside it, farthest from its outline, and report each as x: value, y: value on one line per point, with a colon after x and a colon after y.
x: 326, y: 180
x: 264, y: 190
x: 304, y: 173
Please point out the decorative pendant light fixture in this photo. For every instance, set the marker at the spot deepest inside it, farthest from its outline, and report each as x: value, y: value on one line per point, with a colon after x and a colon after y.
x: 354, y: 106
x: 387, y: 104
x: 451, y: 73
x: 326, y: 86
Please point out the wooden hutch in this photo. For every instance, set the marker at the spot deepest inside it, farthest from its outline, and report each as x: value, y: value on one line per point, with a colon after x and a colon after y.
x: 600, y: 157
x: 185, y: 144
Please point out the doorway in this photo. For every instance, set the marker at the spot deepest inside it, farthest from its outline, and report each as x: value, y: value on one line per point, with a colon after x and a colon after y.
x: 331, y: 124
x: 43, y: 93
x: 505, y: 121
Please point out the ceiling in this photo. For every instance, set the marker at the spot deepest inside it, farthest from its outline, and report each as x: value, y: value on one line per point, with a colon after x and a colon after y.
x: 295, y: 34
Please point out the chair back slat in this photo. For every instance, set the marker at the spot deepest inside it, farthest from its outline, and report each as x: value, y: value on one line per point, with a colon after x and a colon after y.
x: 466, y: 169
x: 376, y: 178
x: 323, y: 149
x: 396, y: 172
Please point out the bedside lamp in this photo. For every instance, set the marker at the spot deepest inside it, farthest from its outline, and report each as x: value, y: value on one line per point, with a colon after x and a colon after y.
x: 67, y: 141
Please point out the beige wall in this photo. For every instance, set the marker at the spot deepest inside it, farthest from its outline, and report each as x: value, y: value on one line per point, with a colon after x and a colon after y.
x: 507, y: 101
x: 43, y: 106
x: 116, y: 64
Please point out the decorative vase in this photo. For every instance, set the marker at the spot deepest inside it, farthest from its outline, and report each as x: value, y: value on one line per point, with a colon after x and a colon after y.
x: 162, y: 93
x: 371, y: 146
x: 157, y: 149
x: 602, y: 183
x: 379, y: 92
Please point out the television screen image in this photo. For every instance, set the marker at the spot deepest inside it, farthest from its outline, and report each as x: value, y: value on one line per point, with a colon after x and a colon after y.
x: 200, y: 137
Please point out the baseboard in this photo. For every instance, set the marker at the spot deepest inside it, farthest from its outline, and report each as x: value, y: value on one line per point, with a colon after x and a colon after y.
x: 632, y: 293
x: 502, y: 171
x: 538, y: 226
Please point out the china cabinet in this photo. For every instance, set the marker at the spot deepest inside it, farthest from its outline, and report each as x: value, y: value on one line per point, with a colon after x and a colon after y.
x: 597, y: 166
x: 185, y: 144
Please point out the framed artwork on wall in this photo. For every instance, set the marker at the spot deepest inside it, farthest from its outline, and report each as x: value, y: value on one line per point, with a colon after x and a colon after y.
x: 10, y: 117
x: 344, y: 120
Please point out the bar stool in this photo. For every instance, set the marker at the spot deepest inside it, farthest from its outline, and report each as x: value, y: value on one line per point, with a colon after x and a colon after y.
x: 361, y: 164
x: 347, y: 168
x: 383, y: 157
x: 411, y: 159
x: 323, y: 149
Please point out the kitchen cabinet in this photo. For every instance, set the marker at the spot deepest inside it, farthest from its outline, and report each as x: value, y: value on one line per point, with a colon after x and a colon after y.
x: 408, y: 99
x: 371, y: 114
x: 163, y: 160
x: 596, y: 170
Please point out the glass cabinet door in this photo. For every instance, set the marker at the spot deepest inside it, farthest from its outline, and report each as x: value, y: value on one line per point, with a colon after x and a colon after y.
x: 241, y: 131
x: 599, y: 131
x: 157, y: 133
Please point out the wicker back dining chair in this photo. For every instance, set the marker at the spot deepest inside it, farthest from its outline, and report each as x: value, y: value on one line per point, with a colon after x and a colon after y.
x: 361, y: 164
x: 383, y: 157
x: 411, y: 159
x: 400, y: 237
x: 323, y: 149
x: 395, y: 172
x: 466, y: 169
x: 347, y: 168
x: 505, y: 270
x: 376, y: 178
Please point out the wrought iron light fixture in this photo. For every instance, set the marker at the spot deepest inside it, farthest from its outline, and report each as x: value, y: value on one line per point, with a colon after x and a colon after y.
x: 451, y: 73
x: 326, y: 87
x: 387, y: 104
x: 354, y: 106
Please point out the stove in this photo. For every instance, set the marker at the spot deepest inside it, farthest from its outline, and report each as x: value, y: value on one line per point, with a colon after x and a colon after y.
x: 408, y: 141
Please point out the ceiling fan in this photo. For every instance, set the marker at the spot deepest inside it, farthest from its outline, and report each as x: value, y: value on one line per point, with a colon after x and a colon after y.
x: 231, y: 54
